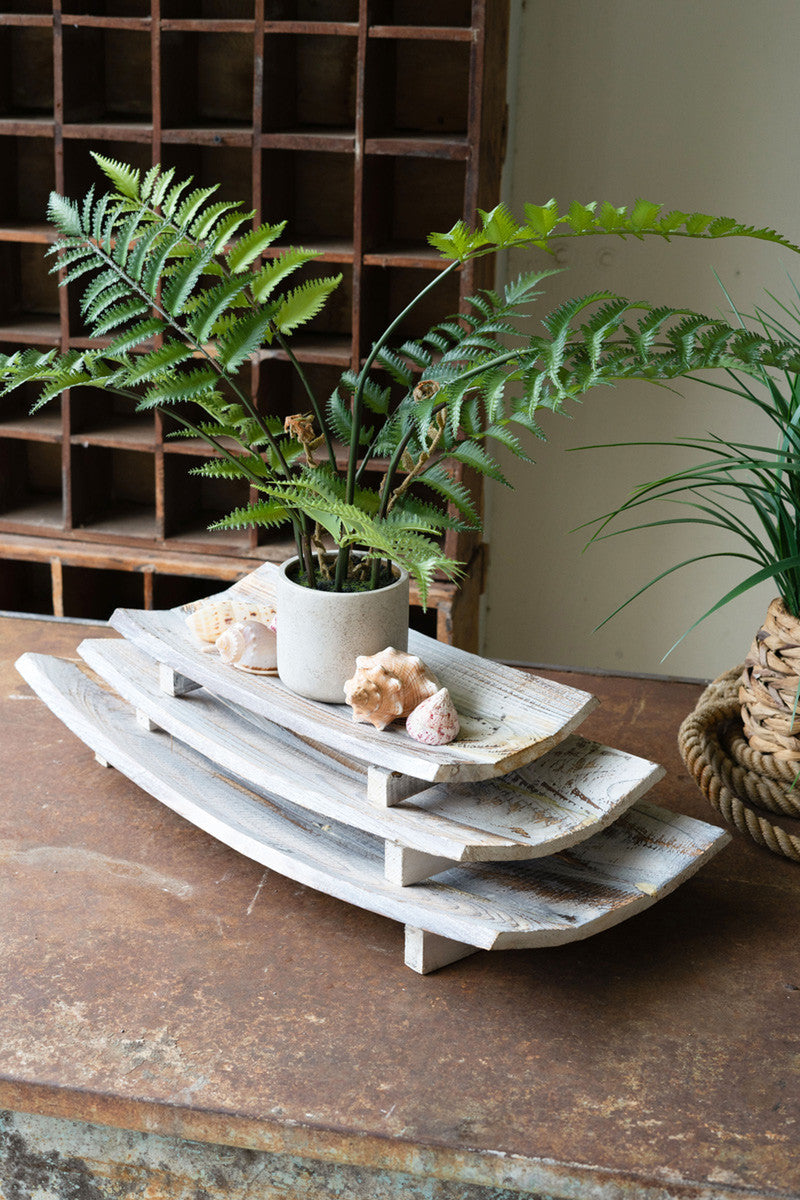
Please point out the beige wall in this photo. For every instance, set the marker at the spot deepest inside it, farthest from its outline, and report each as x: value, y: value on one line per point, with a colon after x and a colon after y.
x: 694, y: 105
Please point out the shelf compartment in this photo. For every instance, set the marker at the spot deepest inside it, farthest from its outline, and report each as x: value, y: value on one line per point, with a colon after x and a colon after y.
x: 15, y: 413
x: 107, y: 77
x: 26, y: 587
x: 387, y: 292
x: 192, y: 503
x: 281, y: 393
x: 314, y: 190
x: 453, y: 14
x: 405, y: 199
x: 26, y: 72
x: 29, y: 301
x: 206, y: 80
x: 312, y: 10
x: 103, y: 420
x: 207, y: 10
x: 26, y: 181
x: 118, y: 10
x: 309, y: 85
x: 229, y: 166
x: 30, y: 485
x: 29, y: 8
x: 113, y: 492
x: 93, y: 593
x: 418, y: 90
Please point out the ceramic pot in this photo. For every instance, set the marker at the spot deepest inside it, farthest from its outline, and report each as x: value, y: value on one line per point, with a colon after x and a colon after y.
x: 320, y: 634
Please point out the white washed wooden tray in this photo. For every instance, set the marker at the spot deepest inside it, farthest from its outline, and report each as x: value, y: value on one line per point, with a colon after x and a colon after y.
x: 572, y: 791
x: 617, y: 872
x: 508, y: 718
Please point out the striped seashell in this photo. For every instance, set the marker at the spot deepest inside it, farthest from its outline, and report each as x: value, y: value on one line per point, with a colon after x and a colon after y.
x: 435, y: 721
x: 249, y: 646
x: 209, y: 620
x: 388, y: 686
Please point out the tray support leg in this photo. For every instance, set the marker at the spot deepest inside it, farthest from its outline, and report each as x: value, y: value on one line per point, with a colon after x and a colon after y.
x: 426, y: 952
x: 144, y: 722
x: 387, y: 788
x: 173, y: 683
x: 405, y: 866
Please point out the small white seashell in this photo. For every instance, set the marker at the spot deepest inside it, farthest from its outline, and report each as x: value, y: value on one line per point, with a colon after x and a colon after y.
x: 387, y: 686
x: 249, y: 646
x: 435, y: 721
x: 209, y: 620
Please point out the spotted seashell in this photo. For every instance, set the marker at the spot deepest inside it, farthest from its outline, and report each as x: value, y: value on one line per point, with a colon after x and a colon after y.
x: 249, y: 646
x: 435, y: 721
x: 388, y: 686
x: 209, y: 620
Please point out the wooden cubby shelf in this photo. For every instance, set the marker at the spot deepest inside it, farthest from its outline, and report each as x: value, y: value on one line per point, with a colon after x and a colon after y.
x: 365, y: 124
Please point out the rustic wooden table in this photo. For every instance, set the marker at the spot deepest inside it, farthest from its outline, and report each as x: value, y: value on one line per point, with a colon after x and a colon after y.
x: 174, y: 1018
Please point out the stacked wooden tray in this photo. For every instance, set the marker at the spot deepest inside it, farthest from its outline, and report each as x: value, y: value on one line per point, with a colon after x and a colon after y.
x: 519, y: 834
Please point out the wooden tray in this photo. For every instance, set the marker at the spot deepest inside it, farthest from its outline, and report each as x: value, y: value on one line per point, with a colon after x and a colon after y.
x: 572, y: 791
x: 620, y: 871
x: 509, y: 718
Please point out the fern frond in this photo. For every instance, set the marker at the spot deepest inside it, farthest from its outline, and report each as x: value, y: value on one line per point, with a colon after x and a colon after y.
x: 303, y: 303
x: 124, y: 178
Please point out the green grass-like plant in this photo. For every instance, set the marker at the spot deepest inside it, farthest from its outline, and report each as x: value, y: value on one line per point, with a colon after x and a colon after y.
x: 177, y: 288
x: 748, y: 491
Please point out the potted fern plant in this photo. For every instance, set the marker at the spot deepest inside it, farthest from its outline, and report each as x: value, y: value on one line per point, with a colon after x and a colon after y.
x: 178, y: 291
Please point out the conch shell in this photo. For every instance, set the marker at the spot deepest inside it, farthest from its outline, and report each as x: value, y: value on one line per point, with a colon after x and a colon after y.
x: 388, y: 686
x: 435, y: 721
x: 209, y: 620
x: 249, y: 646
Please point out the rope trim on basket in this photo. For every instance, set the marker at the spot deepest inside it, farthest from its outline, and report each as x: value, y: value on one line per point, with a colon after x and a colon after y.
x: 736, y: 779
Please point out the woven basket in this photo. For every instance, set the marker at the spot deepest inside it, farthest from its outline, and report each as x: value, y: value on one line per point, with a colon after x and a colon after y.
x: 770, y: 686
x: 739, y: 780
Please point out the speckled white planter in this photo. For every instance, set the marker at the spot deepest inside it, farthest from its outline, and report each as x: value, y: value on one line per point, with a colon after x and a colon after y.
x: 320, y: 634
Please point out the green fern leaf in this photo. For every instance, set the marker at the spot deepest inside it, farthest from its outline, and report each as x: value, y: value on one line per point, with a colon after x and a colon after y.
x: 226, y: 227
x: 303, y: 303
x: 205, y: 221
x: 124, y: 178
x: 473, y: 455
x: 212, y: 305
x: 128, y: 310
x: 65, y: 215
x: 453, y: 491
x: 161, y: 186
x: 186, y: 275
x: 271, y: 275
x: 340, y: 417
x: 135, y: 336
x: 266, y: 514
x: 247, y: 249
x: 397, y: 367
x: 104, y: 300
x: 243, y: 339
x: 192, y: 205
x: 173, y: 197
x: 192, y: 385
x: 158, y: 362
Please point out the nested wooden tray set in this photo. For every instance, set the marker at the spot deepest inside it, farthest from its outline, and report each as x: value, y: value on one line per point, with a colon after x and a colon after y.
x: 521, y: 833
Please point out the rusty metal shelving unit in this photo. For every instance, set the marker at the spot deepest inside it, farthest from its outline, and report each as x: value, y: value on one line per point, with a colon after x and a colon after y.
x: 367, y: 122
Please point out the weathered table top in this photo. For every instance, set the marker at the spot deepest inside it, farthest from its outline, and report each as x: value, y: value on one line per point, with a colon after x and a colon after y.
x: 152, y: 979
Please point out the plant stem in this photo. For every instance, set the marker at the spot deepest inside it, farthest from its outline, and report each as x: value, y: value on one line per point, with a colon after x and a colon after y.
x: 358, y: 407
x: 309, y: 392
